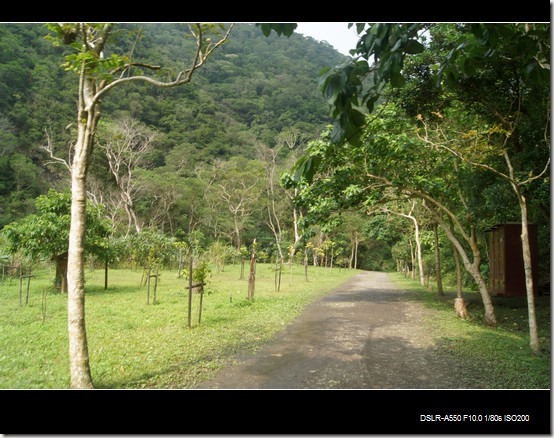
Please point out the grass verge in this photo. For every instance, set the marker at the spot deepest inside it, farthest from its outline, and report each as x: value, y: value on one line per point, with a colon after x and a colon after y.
x: 496, y: 357
x: 137, y: 345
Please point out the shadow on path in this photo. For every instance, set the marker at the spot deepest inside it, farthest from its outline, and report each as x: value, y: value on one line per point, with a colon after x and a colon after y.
x: 364, y: 334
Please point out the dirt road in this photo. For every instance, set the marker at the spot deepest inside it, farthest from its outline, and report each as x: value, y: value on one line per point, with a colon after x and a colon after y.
x: 364, y: 334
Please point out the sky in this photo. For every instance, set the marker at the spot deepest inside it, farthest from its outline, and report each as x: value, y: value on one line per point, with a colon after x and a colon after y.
x: 336, y: 34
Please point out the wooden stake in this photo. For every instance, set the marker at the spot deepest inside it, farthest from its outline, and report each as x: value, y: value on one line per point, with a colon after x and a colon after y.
x: 190, y: 290
x: 148, y: 281
x: 252, y: 278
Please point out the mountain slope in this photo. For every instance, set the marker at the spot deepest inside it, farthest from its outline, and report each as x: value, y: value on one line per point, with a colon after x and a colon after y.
x: 248, y: 92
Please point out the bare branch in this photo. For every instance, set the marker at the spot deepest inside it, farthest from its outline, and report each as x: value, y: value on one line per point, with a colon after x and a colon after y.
x: 127, y: 68
x: 183, y: 77
x: 425, y: 197
x: 454, y: 152
x: 50, y: 149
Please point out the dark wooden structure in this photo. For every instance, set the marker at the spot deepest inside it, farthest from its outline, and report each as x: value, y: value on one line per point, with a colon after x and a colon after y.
x: 507, y: 275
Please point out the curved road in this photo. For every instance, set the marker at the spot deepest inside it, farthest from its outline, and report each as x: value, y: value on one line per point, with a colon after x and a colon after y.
x: 364, y: 334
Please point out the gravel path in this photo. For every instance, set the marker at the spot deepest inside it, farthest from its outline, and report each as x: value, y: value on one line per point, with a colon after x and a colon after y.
x: 364, y: 334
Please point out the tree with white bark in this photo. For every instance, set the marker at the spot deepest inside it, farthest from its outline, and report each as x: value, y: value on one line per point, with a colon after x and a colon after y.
x: 480, y: 148
x: 125, y: 144
x: 411, y: 216
x: 99, y: 71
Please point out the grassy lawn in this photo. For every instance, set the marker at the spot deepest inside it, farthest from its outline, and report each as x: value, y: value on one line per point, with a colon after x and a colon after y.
x: 135, y: 345
x: 496, y: 357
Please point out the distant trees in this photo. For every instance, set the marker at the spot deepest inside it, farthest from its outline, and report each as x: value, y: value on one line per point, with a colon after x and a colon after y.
x: 238, y: 185
x: 125, y: 144
x: 239, y: 100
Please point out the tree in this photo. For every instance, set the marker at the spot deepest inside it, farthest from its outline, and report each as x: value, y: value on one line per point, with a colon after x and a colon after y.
x: 275, y: 195
x: 504, y: 72
x: 436, y: 245
x: 125, y: 144
x: 46, y: 234
x: 252, y: 275
x: 98, y: 74
x: 150, y: 248
x: 409, y: 215
x: 476, y: 151
x: 491, y: 112
x: 238, y: 187
x: 294, y: 140
x: 512, y: 56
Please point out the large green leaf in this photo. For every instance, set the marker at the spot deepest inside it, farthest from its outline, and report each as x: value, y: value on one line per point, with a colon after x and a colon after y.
x: 414, y: 47
x: 286, y: 29
x: 305, y: 168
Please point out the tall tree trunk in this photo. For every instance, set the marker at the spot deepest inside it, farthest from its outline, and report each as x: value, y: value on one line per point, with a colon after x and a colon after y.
x: 295, y: 224
x: 413, y: 257
x: 131, y: 215
x: 296, y: 216
x: 417, y: 240
x: 61, y: 271
x: 419, y: 255
x: 440, y: 290
x: 355, y: 241
x: 237, y: 232
x: 528, y: 268
x: 459, y: 303
x: 474, y: 271
x: 357, y: 244
x: 78, y: 347
x: 472, y: 266
x: 458, y: 273
x: 526, y: 250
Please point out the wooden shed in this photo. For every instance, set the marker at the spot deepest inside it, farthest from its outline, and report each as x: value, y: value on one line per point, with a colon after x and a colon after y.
x: 507, y: 274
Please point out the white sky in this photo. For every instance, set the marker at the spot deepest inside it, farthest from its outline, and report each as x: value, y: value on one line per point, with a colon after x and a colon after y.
x: 336, y: 34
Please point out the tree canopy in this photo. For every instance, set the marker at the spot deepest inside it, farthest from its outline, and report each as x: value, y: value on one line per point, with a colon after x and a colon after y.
x: 46, y: 233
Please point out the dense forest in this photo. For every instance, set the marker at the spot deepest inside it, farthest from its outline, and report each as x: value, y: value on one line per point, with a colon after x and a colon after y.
x: 252, y: 96
x: 215, y: 157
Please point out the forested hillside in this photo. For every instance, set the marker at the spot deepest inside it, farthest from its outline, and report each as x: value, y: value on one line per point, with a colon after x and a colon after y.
x: 252, y: 94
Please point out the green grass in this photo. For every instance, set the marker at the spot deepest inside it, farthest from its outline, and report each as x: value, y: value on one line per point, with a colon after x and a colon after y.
x: 135, y: 345
x: 495, y: 357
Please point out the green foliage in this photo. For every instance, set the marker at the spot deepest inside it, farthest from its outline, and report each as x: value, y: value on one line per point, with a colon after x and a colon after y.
x: 150, y: 248
x: 220, y: 254
x: 341, y: 86
x: 524, y: 47
x: 250, y: 91
x: 201, y: 273
x: 80, y: 37
x: 347, y: 87
x: 46, y: 234
x: 286, y: 29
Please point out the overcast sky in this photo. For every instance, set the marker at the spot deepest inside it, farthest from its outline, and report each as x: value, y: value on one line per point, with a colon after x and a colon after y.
x: 336, y: 34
